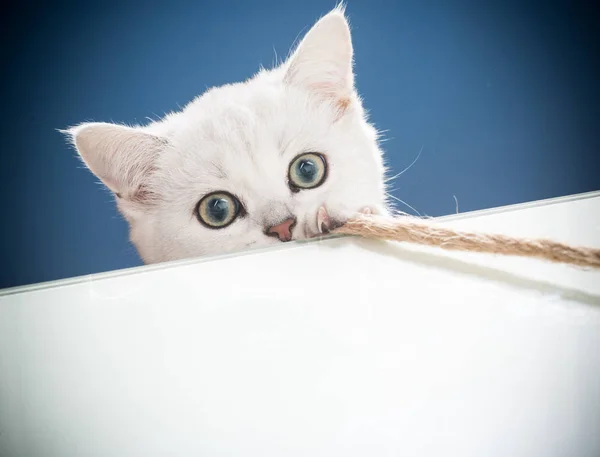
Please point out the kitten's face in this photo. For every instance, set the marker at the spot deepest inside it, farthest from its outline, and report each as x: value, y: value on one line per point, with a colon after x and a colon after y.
x: 286, y: 155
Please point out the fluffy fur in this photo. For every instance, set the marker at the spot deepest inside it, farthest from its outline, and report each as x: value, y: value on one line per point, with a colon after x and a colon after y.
x: 241, y: 138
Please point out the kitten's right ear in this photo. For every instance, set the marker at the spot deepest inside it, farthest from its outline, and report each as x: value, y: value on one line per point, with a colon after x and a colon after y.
x: 122, y: 157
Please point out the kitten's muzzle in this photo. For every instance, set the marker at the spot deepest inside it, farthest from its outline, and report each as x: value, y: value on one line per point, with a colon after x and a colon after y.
x: 283, y: 230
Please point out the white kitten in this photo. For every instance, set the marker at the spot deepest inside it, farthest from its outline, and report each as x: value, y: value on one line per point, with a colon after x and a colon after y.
x: 285, y: 155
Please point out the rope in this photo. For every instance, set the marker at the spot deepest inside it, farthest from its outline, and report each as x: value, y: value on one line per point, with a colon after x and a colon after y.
x: 407, y: 229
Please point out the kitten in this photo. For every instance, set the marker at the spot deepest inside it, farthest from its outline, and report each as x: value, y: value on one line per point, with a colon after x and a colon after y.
x: 286, y: 155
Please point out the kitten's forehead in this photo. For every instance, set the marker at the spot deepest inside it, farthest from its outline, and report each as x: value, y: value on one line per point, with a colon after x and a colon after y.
x: 243, y: 133
x: 227, y: 116
x: 213, y: 145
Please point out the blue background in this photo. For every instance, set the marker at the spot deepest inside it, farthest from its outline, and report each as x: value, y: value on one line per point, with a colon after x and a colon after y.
x: 502, y: 96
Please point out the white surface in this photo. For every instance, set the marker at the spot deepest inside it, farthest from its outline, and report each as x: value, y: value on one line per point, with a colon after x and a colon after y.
x: 332, y: 348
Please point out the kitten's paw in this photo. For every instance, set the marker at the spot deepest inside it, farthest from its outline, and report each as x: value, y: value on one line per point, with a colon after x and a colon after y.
x: 371, y: 211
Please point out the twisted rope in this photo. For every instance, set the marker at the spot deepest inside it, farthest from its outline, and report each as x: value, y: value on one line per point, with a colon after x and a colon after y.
x: 407, y: 229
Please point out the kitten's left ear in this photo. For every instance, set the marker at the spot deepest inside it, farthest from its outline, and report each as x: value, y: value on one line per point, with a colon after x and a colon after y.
x: 322, y: 63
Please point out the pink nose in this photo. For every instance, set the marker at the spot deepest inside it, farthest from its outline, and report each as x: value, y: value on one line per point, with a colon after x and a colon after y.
x: 283, y: 230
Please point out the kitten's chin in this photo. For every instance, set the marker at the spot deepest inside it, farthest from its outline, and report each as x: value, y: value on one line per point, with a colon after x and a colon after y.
x: 151, y: 257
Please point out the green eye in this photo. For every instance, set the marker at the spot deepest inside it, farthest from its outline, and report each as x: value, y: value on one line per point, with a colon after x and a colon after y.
x: 218, y: 209
x: 307, y: 171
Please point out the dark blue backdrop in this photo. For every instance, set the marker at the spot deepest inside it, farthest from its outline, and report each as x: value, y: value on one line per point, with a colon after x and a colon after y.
x: 502, y: 96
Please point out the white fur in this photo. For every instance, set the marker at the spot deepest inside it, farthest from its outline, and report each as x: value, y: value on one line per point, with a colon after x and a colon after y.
x: 241, y: 138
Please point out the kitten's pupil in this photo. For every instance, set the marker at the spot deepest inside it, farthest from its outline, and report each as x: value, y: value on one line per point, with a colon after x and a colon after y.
x: 218, y: 209
x: 307, y: 170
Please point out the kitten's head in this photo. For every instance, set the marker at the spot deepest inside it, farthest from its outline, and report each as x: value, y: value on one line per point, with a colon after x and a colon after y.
x: 284, y: 155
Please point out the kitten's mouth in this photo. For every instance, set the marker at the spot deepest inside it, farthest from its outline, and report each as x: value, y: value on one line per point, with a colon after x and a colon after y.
x: 326, y: 224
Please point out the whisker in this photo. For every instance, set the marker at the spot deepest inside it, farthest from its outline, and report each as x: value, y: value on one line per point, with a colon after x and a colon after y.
x: 397, y: 212
x: 407, y: 168
x: 380, y: 133
x: 404, y: 203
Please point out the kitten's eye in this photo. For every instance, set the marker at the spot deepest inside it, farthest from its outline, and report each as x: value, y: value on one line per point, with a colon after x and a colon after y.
x: 307, y: 171
x: 218, y: 210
